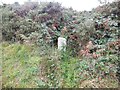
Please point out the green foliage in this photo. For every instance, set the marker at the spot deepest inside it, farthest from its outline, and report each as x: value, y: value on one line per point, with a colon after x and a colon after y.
x: 40, y: 64
x: 69, y: 73
x: 19, y: 67
x: 23, y: 66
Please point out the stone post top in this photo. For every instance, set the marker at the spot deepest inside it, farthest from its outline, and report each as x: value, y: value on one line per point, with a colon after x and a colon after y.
x: 61, y: 37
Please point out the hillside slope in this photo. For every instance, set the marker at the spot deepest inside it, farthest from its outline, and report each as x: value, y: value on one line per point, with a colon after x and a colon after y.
x: 29, y: 46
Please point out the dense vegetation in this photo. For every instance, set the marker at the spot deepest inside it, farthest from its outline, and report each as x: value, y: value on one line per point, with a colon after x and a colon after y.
x: 30, y: 57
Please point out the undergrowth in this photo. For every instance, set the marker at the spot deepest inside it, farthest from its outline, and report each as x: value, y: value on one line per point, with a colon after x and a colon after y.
x: 23, y: 67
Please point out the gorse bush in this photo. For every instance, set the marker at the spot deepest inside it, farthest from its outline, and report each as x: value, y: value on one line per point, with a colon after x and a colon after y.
x: 51, y: 19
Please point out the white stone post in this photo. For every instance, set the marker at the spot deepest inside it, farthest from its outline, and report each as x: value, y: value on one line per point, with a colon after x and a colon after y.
x: 61, y: 43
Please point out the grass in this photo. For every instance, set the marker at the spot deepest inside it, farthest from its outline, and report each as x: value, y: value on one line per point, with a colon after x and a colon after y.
x: 20, y: 68
x: 23, y: 67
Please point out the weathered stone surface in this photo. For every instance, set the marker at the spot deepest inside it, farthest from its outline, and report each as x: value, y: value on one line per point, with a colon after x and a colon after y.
x: 61, y: 43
